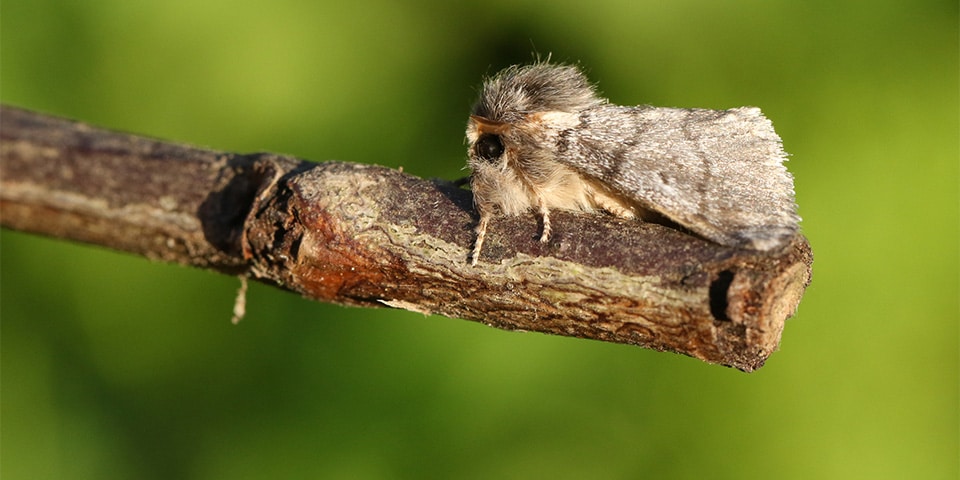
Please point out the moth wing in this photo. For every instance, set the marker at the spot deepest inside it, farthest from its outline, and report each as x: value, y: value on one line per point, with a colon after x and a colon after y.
x: 718, y: 173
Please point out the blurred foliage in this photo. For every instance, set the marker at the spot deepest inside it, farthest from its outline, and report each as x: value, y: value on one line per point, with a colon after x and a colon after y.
x: 115, y: 367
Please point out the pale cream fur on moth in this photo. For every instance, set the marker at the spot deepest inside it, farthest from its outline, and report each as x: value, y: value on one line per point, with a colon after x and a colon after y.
x: 541, y: 138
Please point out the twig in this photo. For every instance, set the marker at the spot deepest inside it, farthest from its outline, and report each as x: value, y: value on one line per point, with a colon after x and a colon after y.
x: 371, y: 236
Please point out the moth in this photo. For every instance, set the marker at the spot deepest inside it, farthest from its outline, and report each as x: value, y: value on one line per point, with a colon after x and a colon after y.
x: 541, y: 138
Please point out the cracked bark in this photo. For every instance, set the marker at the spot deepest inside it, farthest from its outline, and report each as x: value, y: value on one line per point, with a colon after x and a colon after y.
x: 370, y: 236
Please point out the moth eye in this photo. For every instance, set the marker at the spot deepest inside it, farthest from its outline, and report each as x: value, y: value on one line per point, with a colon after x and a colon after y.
x: 488, y: 147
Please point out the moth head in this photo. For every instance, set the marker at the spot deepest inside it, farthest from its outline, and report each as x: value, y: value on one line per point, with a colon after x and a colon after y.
x: 519, y: 109
x: 513, y: 131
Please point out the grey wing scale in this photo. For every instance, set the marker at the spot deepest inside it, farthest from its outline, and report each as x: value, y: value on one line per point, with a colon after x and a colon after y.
x: 718, y: 173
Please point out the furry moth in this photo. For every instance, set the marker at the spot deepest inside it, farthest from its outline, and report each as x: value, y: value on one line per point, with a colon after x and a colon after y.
x: 541, y: 138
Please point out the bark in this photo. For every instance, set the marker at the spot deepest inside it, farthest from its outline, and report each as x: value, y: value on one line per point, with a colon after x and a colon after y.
x: 372, y: 236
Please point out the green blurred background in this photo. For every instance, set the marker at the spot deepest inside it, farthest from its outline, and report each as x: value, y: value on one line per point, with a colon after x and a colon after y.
x: 116, y: 367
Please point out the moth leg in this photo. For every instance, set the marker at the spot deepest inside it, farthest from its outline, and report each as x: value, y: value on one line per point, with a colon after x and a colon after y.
x: 618, y: 210
x: 612, y: 204
x: 481, y: 234
x: 545, y: 214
